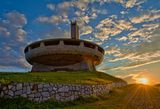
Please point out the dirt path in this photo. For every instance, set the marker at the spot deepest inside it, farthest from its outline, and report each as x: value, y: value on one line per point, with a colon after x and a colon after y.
x: 141, y: 97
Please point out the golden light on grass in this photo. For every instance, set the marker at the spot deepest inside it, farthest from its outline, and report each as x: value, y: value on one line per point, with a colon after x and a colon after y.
x: 143, y: 80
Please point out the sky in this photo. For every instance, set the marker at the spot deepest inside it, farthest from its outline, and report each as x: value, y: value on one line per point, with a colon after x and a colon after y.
x: 128, y: 30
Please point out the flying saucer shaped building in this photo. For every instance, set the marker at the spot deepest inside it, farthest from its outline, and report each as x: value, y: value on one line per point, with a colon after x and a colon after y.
x: 64, y: 54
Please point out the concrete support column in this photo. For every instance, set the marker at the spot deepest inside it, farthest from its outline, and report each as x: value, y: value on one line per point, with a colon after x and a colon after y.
x: 91, y: 65
x: 61, y: 43
x: 42, y: 44
x: 81, y: 44
x: 96, y: 48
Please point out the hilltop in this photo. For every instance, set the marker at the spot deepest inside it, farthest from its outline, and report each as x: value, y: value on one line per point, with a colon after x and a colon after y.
x: 78, y: 77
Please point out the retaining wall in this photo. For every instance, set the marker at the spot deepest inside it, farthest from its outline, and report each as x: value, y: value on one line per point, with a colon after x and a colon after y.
x: 61, y: 92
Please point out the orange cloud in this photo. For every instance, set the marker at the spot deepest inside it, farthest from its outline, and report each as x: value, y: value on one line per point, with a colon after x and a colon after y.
x: 135, y: 77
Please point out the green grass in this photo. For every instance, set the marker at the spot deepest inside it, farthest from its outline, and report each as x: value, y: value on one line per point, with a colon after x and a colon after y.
x: 129, y: 97
x: 80, y: 77
x: 23, y: 103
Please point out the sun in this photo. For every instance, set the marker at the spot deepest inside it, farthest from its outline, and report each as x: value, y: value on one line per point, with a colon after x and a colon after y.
x: 143, y: 80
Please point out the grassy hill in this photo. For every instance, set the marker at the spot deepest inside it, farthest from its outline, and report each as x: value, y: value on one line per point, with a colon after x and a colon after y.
x: 80, y: 77
x: 129, y: 97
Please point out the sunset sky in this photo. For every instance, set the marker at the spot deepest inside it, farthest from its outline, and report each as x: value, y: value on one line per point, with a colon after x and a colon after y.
x: 128, y: 30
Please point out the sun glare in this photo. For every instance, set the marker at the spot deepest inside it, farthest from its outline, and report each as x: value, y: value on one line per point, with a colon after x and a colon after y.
x: 143, y: 81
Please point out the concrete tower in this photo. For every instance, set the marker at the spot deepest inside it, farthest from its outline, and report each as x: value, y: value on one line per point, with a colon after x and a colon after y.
x: 74, y: 30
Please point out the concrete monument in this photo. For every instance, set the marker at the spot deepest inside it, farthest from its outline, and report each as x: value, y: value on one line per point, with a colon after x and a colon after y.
x: 64, y: 54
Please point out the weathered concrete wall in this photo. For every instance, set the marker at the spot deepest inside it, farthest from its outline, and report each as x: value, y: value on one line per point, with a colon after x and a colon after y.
x: 74, y: 67
x: 62, y: 92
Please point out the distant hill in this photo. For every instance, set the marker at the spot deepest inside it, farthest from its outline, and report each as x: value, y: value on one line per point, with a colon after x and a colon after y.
x: 158, y: 85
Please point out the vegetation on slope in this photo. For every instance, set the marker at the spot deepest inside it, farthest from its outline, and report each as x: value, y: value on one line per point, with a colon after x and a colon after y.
x: 129, y: 97
x: 80, y: 77
x: 23, y: 103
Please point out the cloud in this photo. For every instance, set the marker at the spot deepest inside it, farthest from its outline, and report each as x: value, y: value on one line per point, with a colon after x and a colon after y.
x: 12, y: 61
x: 144, y: 33
x: 62, y: 10
x: 51, y: 6
x: 23, y: 63
x: 123, y: 25
x: 113, y: 50
x: 80, y: 9
x: 111, y: 27
x: 114, y: 24
x: 122, y: 57
x: 57, y: 33
x: 124, y: 12
x: 137, y: 60
x: 105, y: 32
x: 52, y: 19
x: 106, y: 22
x: 138, y: 65
x: 82, y: 5
x: 124, y: 38
x: 136, y: 35
x: 140, y: 19
x: 86, y: 30
x: 20, y: 33
x: 146, y: 56
x: 85, y: 18
x: 130, y: 3
x: 14, y: 37
x: 117, y: 54
x: 99, y: 11
x: 13, y: 25
x: 65, y: 5
x: 141, y: 41
x: 135, y: 56
x: 62, y: 15
x: 4, y: 31
x: 16, y: 19
x: 150, y: 27
x: 134, y: 77
x: 146, y: 17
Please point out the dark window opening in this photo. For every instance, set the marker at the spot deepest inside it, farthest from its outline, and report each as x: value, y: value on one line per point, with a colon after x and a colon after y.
x: 36, y: 45
x: 89, y: 45
x: 49, y: 43
x: 67, y: 42
x: 101, y: 50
